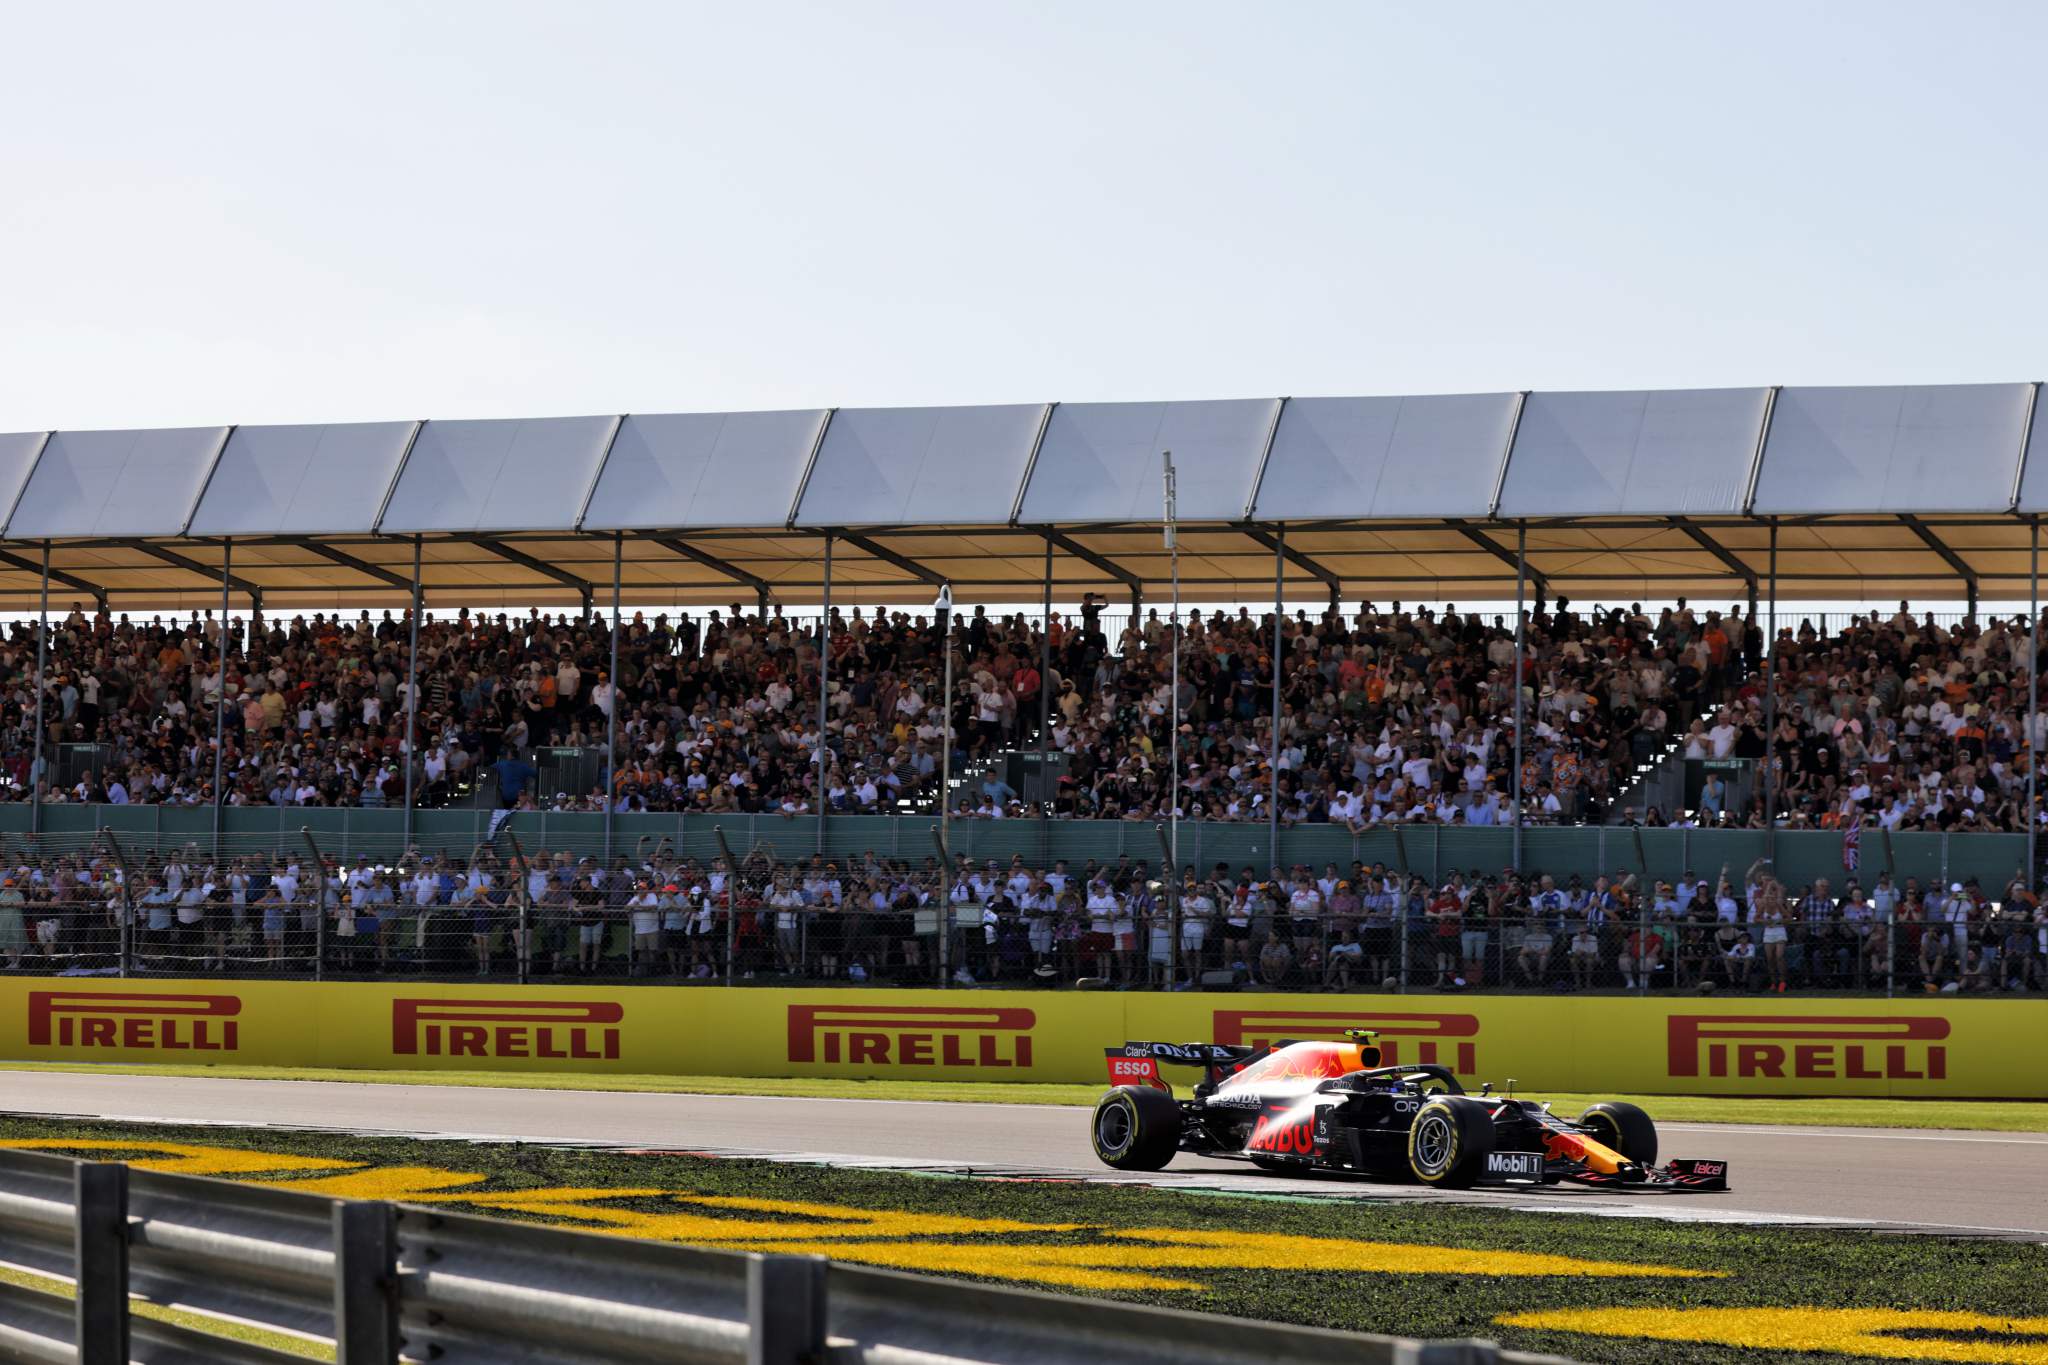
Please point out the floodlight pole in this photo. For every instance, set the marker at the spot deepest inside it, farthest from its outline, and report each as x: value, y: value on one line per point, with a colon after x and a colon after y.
x: 1521, y: 638
x: 35, y: 772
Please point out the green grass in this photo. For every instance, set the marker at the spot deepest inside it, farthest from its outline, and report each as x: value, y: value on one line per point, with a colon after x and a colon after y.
x: 1783, y: 1267
x: 1999, y: 1116
x: 177, y: 1317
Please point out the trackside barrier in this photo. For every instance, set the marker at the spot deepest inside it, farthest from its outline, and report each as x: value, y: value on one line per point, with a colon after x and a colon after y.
x: 1672, y: 1043
x: 394, y: 1282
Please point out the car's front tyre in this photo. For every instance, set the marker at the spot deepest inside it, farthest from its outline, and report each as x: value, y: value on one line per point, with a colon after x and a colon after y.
x: 1624, y: 1128
x: 1136, y: 1128
x: 1449, y: 1141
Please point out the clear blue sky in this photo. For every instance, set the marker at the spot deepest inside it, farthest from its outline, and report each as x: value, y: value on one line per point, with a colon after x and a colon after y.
x: 269, y: 212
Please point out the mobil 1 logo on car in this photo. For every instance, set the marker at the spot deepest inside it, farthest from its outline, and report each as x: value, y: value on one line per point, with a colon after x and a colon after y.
x: 1514, y: 1165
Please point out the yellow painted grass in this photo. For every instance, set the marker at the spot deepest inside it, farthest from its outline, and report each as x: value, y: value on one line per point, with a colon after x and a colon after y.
x: 1873, y: 1333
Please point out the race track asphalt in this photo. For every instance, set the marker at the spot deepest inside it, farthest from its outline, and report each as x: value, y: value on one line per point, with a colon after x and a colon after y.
x: 1922, y: 1180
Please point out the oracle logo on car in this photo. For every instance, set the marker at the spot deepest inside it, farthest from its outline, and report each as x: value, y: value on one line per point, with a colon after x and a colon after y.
x: 582, y: 1030
x: 1849, y: 1047
x: 911, y: 1035
x: 161, y: 1022
x: 1404, y: 1039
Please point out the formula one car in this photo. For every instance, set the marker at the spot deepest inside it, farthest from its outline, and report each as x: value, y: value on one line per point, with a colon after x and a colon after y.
x: 1332, y: 1106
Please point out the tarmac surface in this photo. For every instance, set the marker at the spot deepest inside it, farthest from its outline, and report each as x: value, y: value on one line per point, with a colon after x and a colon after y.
x: 1920, y: 1180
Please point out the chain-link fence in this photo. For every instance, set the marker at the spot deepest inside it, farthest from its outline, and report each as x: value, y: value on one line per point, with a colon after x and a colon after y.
x: 736, y: 913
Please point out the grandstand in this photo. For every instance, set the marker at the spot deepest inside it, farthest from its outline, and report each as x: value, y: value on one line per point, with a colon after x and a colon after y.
x: 1402, y: 740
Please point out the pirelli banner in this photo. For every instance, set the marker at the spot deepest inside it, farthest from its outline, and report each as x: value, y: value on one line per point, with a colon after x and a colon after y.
x: 1697, y: 1045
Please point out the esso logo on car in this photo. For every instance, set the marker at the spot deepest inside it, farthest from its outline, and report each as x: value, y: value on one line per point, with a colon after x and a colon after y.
x: 1126, y: 1066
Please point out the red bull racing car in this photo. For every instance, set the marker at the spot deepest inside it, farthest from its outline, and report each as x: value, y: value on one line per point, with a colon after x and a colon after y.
x: 1332, y: 1106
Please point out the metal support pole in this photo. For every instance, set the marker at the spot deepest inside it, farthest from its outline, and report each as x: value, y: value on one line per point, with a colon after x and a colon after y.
x: 1045, y: 682
x: 2033, y: 690
x: 945, y: 898
x: 824, y: 680
x: 1172, y: 850
x: 732, y: 898
x: 1771, y: 709
x: 611, y: 729
x: 100, y: 1262
x: 220, y: 692
x: 35, y: 772
x: 320, y: 915
x: 524, y: 924
x: 945, y: 615
x: 1891, y: 951
x: 412, y: 697
x: 785, y: 1309
x: 365, y: 1283
x: 1279, y: 639
x: 1521, y: 644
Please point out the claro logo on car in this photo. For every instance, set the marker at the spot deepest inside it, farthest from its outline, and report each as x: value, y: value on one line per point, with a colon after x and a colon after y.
x: 156, y: 1022
x: 911, y: 1035
x: 584, y: 1030
x: 1404, y: 1039
x: 1849, y: 1047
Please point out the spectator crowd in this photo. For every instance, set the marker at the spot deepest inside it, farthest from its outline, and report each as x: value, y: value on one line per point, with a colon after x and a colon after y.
x: 1384, y: 715
x: 660, y: 915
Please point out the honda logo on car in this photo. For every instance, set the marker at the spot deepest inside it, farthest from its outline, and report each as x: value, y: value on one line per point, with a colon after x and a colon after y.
x: 559, y: 1029
x: 1848, y: 1047
x: 1404, y: 1039
x: 168, y: 1023
x: 911, y: 1035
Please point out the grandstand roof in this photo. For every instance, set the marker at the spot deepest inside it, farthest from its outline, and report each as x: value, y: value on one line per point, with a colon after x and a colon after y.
x: 1875, y: 492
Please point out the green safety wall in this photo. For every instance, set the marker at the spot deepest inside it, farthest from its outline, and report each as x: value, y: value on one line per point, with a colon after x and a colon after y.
x: 1426, y: 850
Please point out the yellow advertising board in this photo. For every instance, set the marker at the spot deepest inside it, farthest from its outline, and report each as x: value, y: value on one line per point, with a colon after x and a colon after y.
x: 1957, y: 1049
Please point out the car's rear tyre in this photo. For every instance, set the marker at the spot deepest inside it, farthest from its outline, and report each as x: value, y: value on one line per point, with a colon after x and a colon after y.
x: 1449, y: 1141
x: 1136, y: 1128
x: 1625, y: 1128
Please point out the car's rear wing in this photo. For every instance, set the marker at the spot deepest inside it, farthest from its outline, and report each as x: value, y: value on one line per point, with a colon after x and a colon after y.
x: 1138, y: 1063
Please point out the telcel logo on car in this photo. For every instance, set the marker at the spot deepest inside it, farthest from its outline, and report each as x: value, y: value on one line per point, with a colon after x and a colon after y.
x: 911, y: 1035
x: 1847, y: 1047
x: 1404, y: 1039
x: 585, y: 1030
x: 167, y: 1023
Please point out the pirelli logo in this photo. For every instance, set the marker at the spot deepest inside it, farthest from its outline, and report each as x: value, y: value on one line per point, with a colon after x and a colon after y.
x: 911, y: 1035
x: 1446, y: 1040
x: 1809, y: 1047
x: 577, y: 1029
x: 154, y: 1022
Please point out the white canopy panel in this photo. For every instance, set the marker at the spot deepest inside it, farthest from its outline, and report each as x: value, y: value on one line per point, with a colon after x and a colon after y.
x: 1931, y: 448
x: 1673, y: 452
x: 2034, y: 477
x: 528, y: 474
x: 921, y: 466
x: 18, y: 451
x: 1100, y: 462
x: 116, y: 483
x: 704, y: 469
x: 302, y: 480
x: 1436, y: 456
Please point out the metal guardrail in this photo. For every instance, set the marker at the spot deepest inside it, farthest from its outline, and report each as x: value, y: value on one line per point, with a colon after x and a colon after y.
x: 392, y: 1282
